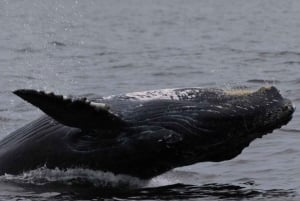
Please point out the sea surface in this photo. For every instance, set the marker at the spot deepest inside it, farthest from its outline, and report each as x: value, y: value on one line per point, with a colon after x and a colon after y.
x: 110, y: 47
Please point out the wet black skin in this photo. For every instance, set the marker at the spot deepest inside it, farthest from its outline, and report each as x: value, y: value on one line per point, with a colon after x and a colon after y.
x: 142, y: 138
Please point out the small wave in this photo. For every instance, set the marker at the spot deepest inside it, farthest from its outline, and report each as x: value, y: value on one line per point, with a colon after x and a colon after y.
x: 104, y: 53
x: 289, y: 130
x: 279, y: 53
x: 211, y: 191
x: 275, y: 71
x: 296, y: 100
x: 287, y: 152
x: 27, y: 50
x: 163, y: 74
x: 254, y: 60
x: 4, y: 119
x: 73, y: 177
x: 296, y: 81
x: 70, y: 185
x: 123, y: 66
x: 291, y: 62
x: 262, y: 81
x: 57, y: 43
x: 26, y: 77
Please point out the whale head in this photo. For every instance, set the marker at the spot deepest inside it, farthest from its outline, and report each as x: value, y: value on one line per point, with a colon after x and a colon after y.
x: 257, y: 111
x: 231, y: 119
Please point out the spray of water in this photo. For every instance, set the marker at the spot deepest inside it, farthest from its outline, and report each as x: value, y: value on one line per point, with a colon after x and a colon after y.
x: 76, y: 176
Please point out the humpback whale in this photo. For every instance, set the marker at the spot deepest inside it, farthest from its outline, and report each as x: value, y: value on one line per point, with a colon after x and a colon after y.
x: 142, y: 134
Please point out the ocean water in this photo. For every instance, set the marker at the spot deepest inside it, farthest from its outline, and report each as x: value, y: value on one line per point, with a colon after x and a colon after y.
x: 111, y: 47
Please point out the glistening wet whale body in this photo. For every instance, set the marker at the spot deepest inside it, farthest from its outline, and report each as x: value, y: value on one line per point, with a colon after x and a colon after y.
x: 142, y: 134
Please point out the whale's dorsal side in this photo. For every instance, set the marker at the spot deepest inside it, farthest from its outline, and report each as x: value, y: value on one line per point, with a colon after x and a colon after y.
x: 73, y: 112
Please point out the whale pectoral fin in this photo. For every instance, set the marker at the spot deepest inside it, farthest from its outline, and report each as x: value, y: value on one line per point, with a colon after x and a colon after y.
x: 79, y: 113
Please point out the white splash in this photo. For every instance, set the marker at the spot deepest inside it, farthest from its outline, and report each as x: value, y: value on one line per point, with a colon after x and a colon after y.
x: 161, y: 181
x: 43, y: 176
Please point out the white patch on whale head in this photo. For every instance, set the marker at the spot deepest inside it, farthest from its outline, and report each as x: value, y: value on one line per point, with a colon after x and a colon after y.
x: 48, y: 92
x: 161, y: 94
x: 99, y: 106
x: 238, y: 92
x: 167, y: 94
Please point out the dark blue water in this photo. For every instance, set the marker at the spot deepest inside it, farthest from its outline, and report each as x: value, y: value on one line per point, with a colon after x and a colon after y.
x: 111, y: 47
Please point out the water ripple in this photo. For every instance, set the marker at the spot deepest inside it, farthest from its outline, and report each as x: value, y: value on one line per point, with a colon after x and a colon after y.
x: 289, y: 130
x: 27, y: 50
x: 260, y: 81
x: 57, y: 43
x: 208, y: 192
x: 279, y: 53
x: 292, y: 62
